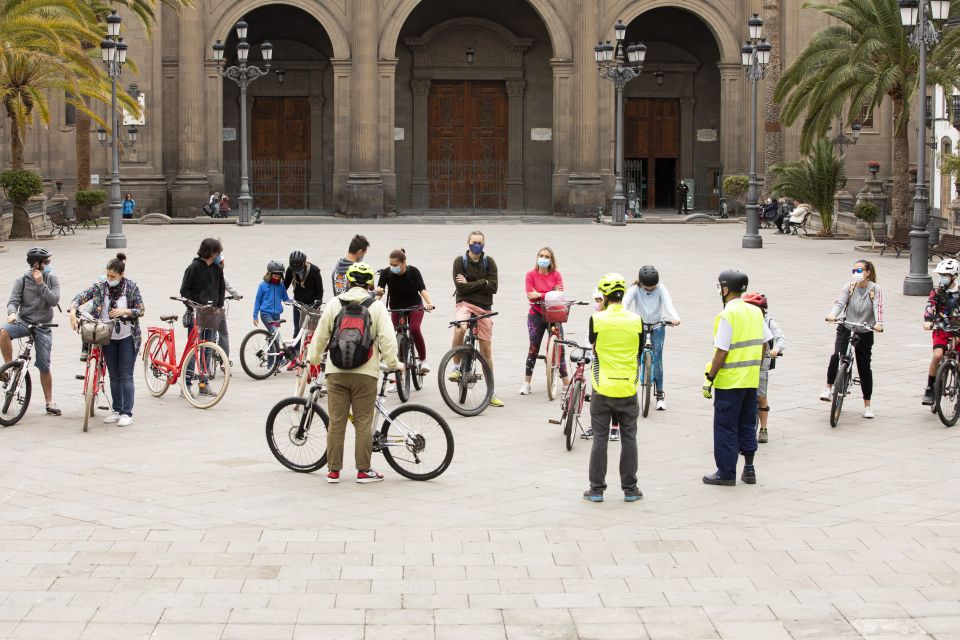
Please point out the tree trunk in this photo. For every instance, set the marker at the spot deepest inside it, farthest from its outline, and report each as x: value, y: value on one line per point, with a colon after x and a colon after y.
x: 772, y: 131
x: 901, y: 205
x: 82, y: 148
x: 20, y: 226
x: 16, y: 145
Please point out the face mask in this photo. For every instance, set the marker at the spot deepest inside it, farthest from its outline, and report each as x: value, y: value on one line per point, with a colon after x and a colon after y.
x: 476, y: 248
x: 395, y: 270
x: 113, y: 283
x: 301, y: 273
x: 47, y: 269
x: 103, y: 278
x: 598, y: 305
x: 945, y: 281
x: 218, y: 259
x: 275, y: 279
x: 543, y: 263
x: 858, y: 277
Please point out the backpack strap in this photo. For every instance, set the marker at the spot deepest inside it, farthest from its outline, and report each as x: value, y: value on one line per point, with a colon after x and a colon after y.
x: 872, y: 292
x: 483, y: 261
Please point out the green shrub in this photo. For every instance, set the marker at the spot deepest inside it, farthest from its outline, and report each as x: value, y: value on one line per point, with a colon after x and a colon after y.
x: 866, y: 211
x: 736, y: 186
x: 20, y: 185
x: 90, y: 197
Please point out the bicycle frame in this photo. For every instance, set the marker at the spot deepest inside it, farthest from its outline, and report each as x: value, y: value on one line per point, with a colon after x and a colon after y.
x: 170, y: 366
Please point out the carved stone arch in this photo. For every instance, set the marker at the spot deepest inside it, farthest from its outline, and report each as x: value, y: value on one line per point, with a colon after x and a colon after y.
x: 233, y: 11
x: 559, y: 37
x: 438, y: 53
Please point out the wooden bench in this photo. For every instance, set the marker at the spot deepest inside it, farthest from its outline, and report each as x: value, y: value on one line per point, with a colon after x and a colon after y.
x: 948, y: 247
x: 60, y: 223
x: 796, y: 228
x: 898, y: 240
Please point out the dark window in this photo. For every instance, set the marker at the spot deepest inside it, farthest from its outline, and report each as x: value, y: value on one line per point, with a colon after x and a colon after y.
x: 69, y: 113
x: 866, y: 117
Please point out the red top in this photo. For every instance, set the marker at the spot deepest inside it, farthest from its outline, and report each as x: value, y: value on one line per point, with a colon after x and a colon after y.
x: 542, y: 283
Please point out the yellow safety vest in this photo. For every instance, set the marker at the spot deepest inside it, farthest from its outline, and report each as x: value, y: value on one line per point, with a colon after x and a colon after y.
x: 741, y: 369
x: 616, y: 353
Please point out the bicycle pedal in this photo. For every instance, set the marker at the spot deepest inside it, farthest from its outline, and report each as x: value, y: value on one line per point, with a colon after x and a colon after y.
x: 541, y: 357
x: 553, y: 421
x: 103, y: 407
x: 856, y: 381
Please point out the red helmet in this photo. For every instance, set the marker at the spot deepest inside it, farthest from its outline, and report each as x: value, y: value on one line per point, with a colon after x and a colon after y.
x: 757, y: 299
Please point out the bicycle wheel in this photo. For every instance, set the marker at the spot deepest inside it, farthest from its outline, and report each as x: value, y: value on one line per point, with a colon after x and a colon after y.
x: 15, y: 389
x: 90, y: 384
x: 402, y: 378
x: 417, y: 442
x: 288, y: 435
x: 259, y: 354
x: 552, y: 367
x: 468, y: 390
x: 209, y: 389
x: 645, y: 392
x: 946, y: 393
x: 839, y: 392
x: 573, y: 412
x: 155, y: 351
x: 416, y: 377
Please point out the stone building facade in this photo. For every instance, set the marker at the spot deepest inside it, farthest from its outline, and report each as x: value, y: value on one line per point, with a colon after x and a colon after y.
x: 388, y: 106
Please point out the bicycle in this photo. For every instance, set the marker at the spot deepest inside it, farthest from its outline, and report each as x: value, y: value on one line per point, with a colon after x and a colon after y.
x: 473, y: 369
x: 95, y: 372
x: 205, y: 357
x: 946, y: 386
x: 407, y: 354
x: 263, y: 350
x: 844, y: 379
x: 572, y: 402
x: 15, y: 385
x: 306, y: 372
x: 646, y: 365
x: 402, y: 439
x: 555, y: 315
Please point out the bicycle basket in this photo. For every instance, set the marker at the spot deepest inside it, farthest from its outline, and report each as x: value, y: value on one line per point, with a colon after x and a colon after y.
x: 555, y: 307
x: 94, y: 332
x: 209, y: 318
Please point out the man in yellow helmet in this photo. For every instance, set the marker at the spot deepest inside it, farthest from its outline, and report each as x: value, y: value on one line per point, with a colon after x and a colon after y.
x: 617, y: 338
x: 739, y: 338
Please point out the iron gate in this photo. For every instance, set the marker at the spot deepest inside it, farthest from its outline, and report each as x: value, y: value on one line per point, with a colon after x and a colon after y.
x: 477, y: 187
x: 276, y: 186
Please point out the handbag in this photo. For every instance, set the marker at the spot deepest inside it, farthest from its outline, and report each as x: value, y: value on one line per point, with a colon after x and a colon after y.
x: 187, y: 319
x: 95, y: 332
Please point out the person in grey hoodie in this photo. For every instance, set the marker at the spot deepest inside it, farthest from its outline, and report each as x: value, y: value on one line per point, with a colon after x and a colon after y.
x: 355, y: 253
x: 34, y: 295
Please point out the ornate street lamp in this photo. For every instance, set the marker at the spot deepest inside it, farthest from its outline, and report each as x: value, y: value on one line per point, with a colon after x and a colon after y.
x: 243, y: 74
x: 113, y: 51
x: 840, y: 140
x: 755, y: 56
x: 919, y: 17
x: 620, y: 64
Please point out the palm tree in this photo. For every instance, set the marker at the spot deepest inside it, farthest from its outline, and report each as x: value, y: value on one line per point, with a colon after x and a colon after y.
x: 812, y: 180
x: 773, y: 130
x: 855, y: 65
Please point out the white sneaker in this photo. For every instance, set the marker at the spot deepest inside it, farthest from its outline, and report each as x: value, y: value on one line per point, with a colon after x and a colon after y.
x: 110, y: 419
x: 125, y: 421
x: 826, y: 394
x: 424, y: 367
x: 661, y: 404
x: 525, y: 389
x: 868, y: 412
x: 392, y: 388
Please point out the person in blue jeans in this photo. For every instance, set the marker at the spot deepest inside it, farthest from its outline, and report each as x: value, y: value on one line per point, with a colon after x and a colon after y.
x: 116, y: 297
x: 271, y: 294
x: 650, y: 300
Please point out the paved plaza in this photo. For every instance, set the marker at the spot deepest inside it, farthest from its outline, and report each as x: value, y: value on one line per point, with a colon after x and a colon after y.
x: 183, y: 526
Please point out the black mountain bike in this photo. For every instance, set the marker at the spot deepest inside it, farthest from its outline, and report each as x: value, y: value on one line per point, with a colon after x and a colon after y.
x: 407, y: 354
x: 465, y: 376
x: 946, y: 386
x: 845, y: 380
x: 15, y: 385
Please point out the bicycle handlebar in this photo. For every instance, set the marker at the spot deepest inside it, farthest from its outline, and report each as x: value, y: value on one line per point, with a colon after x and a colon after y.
x: 418, y: 307
x: 33, y: 327
x: 855, y: 325
x: 306, y: 308
x: 191, y: 303
x: 656, y: 325
x: 568, y: 303
x: 571, y: 343
x: 474, y: 319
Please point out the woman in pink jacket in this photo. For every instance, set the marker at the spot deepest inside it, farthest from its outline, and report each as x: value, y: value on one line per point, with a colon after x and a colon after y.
x: 542, y: 279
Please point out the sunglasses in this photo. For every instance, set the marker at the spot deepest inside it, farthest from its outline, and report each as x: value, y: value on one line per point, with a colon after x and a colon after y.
x: 857, y: 270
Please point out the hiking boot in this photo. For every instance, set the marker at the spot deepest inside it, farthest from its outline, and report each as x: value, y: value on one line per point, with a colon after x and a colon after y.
x: 749, y: 475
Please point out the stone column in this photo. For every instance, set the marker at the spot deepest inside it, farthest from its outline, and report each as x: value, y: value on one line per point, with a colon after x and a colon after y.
x: 515, y: 136
x: 364, y: 185
x: 733, y: 114
x: 586, y: 186
x: 687, y: 135
x: 342, y: 139
x: 191, y: 188
x: 563, y: 132
x: 315, y: 197
x: 420, y: 188
x: 387, y: 82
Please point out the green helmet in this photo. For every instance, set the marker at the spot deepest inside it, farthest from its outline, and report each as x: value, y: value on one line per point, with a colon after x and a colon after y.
x: 360, y: 274
x: 611, y: 283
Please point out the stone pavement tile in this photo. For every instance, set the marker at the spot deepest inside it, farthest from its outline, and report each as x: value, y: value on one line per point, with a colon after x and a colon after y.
x: 52, y: 630
x: 60, y: 614
x: 123, y: 571
x: 498, y: 573
x: 176, y: 631
x: 751, y: 630
x: 611, y: 631
x: 834, y: 596
x: 890, y: 594
x: 470, y: 632
x: 698, y: 598
x: 681, y: 630
x: 634, y: 599
x: 940, y: 624
x: 567, y: 600
x: 261, y: 616
x: 170, y: 600
x: 264, y: 572
x: 816, y: 629
x: 541, y: 632
x: 14, y: 613
x: 191, y: 615
x: 128, y: 615
x: 605, y: 615
x: 339, y: 617
x: 403, y: 586
x: 368, y: 601
x: 253, y: 585
x: 745, y: 613
x: 446, y: 617
x: 871, y: 627
x: 501, y: 601
x: 328, y: 632
x: 425, y: 573
x: 336, y: 586
x: 399, y: 632
x: 117, y: 631
x: 7, y: 627
x: 399, y: 616
x: 435, y: 600
x: 936, y: 608
x: 763, y: 596
x: 257, y: 632
x: 235, y: 600
x: 40, y: 598
x: 203, y: 585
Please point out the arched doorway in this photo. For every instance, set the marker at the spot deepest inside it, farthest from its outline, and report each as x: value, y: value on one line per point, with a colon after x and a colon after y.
x: 672, y: 112
x: 290, y: 115
x: 474, y: 107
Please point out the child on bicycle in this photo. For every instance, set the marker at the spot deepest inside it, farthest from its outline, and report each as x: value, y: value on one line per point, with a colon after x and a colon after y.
x: 774, y: 348
x: 271, y: 294
x: 943, y: 305
x: 650, y: 300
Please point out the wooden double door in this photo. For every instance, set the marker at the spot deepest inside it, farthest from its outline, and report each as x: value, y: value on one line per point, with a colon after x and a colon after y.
x: 467, y: 145
x: 652, y: 139
x: 280, y: 167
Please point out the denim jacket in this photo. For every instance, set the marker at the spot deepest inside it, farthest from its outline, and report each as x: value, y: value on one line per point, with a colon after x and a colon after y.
x: 97, y: 294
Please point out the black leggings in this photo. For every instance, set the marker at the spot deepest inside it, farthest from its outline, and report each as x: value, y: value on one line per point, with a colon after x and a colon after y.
x: 863, y: 352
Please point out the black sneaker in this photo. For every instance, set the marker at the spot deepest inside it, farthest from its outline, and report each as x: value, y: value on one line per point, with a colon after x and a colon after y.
x: 593, y: 496
x: 587, y: 435
x: 714, y: 478
x: 749, y: 475
x: 632, y: 496
x: 928, y: 396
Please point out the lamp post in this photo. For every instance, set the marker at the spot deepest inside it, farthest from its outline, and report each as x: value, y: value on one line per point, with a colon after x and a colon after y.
x: 113, y: 50
x: 243, y: 75
x: 755, y: 56
x: 842, y: 141
x: 620, y: 64
x: 918, y: 16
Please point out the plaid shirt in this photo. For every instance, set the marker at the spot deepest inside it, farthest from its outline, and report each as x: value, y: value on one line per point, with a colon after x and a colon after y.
x: 97, y: 295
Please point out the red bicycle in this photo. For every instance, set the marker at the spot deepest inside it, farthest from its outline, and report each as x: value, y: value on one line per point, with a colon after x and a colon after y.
x: 95, y: 332
x: 555, y: 314
x: 203, y: 361
x: 571, y: 406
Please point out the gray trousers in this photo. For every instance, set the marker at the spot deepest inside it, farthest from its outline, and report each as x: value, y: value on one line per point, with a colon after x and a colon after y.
x: 602, y: 409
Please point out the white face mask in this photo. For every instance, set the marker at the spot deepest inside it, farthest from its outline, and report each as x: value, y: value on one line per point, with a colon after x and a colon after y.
x: 858, y: 277
x: 945, y: 281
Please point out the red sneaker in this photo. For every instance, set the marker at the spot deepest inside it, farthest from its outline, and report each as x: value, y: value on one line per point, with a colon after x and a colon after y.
x: 292, y: 366
x: 333, y: 477
x: 365, y: 477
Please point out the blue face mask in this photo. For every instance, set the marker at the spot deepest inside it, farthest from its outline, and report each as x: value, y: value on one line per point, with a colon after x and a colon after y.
x: 543, y: 263
x: 396, y: 270
x: 47, y: 269
x: 476, y: 248
x: 218, y: 259
x: 113, y: 283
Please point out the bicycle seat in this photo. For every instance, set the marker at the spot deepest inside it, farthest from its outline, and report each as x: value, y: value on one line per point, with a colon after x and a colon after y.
x: 169, y: 318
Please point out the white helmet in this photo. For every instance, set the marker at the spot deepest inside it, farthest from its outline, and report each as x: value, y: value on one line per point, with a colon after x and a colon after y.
x: 948, y: 267
x: 597, y: 295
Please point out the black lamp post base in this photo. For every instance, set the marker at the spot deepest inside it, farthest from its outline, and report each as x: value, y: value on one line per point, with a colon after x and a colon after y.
x: 752, y: 242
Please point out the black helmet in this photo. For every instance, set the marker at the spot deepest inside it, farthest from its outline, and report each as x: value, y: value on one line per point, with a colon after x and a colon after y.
x: 275, y: 267
x: 37, y: 254
x: 297, y: 260
x: 733, y: 280
x: 648, y: 275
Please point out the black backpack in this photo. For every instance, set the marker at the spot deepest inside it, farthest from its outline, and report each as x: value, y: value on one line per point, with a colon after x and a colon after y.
x: 351, y: 343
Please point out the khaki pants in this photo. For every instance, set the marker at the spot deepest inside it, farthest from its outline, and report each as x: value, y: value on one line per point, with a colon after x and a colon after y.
x: 346, y: 391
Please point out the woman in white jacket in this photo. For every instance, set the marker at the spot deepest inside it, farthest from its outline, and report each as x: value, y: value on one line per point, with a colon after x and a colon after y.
x: 650, y: 300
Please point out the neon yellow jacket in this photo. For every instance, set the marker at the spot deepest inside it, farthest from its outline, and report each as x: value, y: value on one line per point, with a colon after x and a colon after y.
x: 616, y: 333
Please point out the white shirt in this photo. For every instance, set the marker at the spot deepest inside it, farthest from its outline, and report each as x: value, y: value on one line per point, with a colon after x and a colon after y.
x: 125, y: 329
x: 725, y: 331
